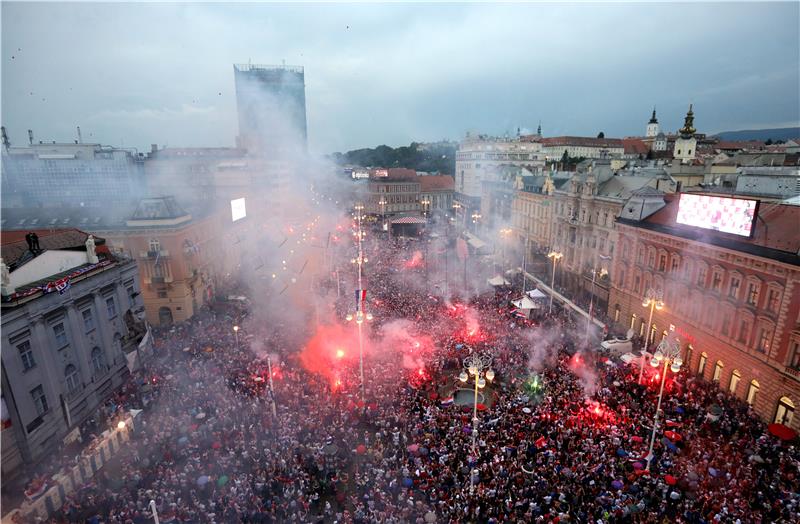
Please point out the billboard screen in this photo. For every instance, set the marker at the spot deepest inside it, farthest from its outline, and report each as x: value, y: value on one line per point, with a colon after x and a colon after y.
x: 726, y: 215
x: 238, y: 210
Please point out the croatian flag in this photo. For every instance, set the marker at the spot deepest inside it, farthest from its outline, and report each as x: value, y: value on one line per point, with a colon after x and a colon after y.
x: 447, y: 402
x: 361, y: 295
x: 540, y: 442
x: 62, y: 285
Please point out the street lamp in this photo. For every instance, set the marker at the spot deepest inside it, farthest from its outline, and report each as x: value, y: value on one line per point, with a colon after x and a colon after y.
x: 360, y: 315
x: 236, y: 334
x: 425, y: 206
x: 479, y: 367
x: 670, y: 353
x: 603, y: 273
x: 475, y: 218
x: 555, y: 256
x: 653, y: 299
x: 382, y: 203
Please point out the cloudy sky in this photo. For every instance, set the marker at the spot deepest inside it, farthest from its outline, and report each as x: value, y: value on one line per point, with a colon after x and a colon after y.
x: 136, y: 74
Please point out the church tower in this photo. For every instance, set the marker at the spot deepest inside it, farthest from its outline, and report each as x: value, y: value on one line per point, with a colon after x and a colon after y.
x: 686, y: 143
x: 652, y: 126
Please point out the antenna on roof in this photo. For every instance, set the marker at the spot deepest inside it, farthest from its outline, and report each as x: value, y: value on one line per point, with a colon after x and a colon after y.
x: 6, y: 143
x: 30, y: 136
x: 80, y: 138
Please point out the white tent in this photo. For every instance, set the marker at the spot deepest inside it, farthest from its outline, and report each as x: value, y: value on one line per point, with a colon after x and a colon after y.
x: 525, y: 303
x: 536, y: 294
x: 498, y: 281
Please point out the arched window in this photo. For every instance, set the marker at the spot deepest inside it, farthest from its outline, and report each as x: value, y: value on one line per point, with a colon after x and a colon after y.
x: 752, y: 391
x: 734, y: 383
x: 718, y: 371
x: 785, y: 411
x: 701, y: 366
x: 689, y: 355
x: 98, y: 360
x: 73, y: 380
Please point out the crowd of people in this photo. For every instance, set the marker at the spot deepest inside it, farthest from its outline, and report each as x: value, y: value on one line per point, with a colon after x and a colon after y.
x: 208, y: 448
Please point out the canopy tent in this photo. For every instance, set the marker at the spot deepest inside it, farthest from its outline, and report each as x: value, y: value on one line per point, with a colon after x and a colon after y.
x: 525, y: 303
x: 498, y: 281
x: 409, y: 220
x: 536, y: 294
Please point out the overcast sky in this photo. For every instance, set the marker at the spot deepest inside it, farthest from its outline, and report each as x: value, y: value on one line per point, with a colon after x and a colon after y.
x: 136, y: 74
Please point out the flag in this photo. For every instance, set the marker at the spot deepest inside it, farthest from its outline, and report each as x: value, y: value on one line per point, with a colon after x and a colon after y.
x: 62, y: 285
x: 361, y: 295
x: 540, y: 442
x: 447, y: 401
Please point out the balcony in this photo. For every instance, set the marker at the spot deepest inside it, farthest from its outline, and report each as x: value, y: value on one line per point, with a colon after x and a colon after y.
x: 154, y: 254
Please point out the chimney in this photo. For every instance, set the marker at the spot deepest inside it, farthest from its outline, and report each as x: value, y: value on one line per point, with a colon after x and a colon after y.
x: 153, y: 148
x: 30, y: 136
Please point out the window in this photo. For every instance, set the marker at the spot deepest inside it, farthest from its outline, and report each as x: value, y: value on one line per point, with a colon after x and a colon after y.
x: 716, y: 281
x: 733, y: 289
x: 726, y: 325
x: 640, y: 256
x: 651, y: 258
x: 633, y: 323
x: 773, y: 299
x: 131, y: 297
x: 717, y: 371
x: 735, y: 378
x: 752, y: 391
x: 753, y: 289
x: 764, y: 338
x: 744, y: 331
x: 98, y: 360
x: 689, y: 354
x: 701, y: 366
x: 26, y: 354
x: 61, y: 335
x: 785, y: 411
x: 154, y: 245
x: 39, y: 400
x: 675, y: 264
x: 794, y: 351
x: 73, y: 381
x: 662, y: 262
x: 616, y: 313
x: 701, y: 276
x: 111, y: 307
x: 88, y: 320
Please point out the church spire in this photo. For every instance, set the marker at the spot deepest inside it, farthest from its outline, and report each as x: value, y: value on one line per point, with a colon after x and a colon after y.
x: 688, y: 124
x: 539, y: 129
x: 653, y: 119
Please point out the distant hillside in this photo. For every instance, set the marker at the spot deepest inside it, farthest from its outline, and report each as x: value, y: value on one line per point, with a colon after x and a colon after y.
x: 785, y: 133
x: 439, y: 157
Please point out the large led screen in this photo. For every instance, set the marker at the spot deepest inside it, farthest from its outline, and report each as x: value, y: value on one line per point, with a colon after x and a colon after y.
x: 726, y: 215
x: 238, y: 210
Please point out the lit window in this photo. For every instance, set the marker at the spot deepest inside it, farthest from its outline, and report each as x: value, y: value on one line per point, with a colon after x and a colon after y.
x: 717, y: 371
x: 752, y: 391
x: 701, y: 366
x: 785, y: 411
x: 735, y: 378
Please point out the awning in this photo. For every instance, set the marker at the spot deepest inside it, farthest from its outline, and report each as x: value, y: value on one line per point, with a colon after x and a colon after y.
x: 525, y: 303
x: 536, y: 294
x: 476, y: 243
x: 498, y: 281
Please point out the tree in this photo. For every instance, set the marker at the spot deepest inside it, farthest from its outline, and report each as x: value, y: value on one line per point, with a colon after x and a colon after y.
x: 601, y: 135
x: 768, y: 142
x: 565, y: 157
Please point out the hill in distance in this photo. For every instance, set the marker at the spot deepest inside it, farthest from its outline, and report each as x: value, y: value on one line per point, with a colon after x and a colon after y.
x: 784, y: 133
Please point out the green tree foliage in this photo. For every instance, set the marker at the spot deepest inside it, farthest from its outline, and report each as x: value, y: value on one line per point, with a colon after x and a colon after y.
x: 439, y: 157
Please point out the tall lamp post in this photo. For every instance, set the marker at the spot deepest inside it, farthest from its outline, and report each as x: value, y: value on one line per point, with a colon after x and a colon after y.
x: 236, y: 334
x: 382, y: 203
x: 479, y: 367
x: 654, y: 300
x: 425, y: 202
x: 555, y: 256
x: 360, y: 315
x: 475, y: 218
x: 668, y: 352
x: 602, y: 273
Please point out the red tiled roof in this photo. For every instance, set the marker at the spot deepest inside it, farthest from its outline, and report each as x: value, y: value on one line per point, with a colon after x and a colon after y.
x: 775, y: 228
x: 436, y: 183
x: 581, y: 141
x: 402, y: 173
x: 14, y: 246
x: 635, y: 146
x: 737, y: 145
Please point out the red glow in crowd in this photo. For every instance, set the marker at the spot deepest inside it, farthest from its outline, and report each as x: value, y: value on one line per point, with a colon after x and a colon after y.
x: 325, y: 353
x: 414, y: 261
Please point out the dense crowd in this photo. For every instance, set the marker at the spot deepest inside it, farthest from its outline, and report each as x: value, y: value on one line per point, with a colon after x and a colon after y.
x: 208, y: 448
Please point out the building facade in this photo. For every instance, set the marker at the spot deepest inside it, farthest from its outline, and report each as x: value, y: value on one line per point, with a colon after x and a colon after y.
x: 436, y: 194
x: 271, y: 103
x: 733, y: 303
x: 69, y: 328
x: 479, y: 158
x: 395, y: 193
x: 76, y: 174
x: 581, y: 147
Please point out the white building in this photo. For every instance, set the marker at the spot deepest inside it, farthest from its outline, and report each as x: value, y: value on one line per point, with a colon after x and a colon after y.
x: 652, y: 126
x: 581, y: 147
x: 686, y: 143
x: 479, y: 157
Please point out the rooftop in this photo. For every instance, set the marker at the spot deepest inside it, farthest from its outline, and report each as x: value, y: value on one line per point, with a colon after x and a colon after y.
x: 582, y: 141
x: 15, y: 250
x: 774, y: 237
x: 436, y: 183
